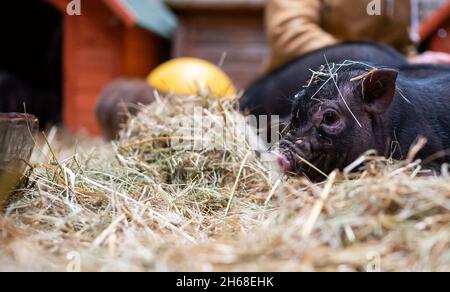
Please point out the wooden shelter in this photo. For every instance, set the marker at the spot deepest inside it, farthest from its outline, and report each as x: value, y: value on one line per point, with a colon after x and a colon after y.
x: 231, y: 31
x: 110, y: 38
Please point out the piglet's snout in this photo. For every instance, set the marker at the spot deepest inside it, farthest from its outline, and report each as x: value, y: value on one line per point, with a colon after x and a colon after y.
x: 282, y: 161
x: 301, y: 148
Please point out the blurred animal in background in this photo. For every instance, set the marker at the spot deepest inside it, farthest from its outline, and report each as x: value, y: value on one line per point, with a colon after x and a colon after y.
x: 120, y: 100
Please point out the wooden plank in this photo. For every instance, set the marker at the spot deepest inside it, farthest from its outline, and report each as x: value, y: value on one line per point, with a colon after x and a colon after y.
x: 95, y: 59
x: 84, y: 102
x: 141, y: 52
x: 93, y: 53
x: 69, y: 41
x: 122, y: 12
x: 216, y: 5
x: 208, y: 35
x: 93, y: 81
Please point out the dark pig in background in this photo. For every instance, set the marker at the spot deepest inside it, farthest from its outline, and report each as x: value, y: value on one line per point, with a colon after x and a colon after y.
x: 349, y: 109
x: 120, y: 100
x: 273, y: 94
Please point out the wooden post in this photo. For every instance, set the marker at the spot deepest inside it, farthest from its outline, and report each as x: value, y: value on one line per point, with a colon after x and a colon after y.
x: 17, y: 132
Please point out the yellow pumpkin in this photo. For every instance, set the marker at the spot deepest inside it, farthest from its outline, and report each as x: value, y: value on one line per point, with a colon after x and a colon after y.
x: 191, y: 76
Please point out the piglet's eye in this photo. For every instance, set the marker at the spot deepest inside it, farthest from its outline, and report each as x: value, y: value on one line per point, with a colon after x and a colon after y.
x: 330, y: 118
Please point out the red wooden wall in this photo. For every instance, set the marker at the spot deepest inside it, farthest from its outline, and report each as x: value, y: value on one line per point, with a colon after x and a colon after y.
x: 92, y: 57
x: 97, y: 48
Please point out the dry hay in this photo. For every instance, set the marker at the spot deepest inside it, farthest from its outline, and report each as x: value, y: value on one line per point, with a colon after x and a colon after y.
x: 140, y: 204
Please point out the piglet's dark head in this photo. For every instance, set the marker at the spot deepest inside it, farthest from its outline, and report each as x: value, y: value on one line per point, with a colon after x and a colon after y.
x: 335, y: 120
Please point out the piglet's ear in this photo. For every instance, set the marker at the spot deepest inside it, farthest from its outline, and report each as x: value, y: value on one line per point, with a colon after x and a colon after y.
x: 379, y: 90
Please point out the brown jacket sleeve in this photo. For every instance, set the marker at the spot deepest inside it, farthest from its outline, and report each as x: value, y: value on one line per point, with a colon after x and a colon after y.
x: 293, y: 28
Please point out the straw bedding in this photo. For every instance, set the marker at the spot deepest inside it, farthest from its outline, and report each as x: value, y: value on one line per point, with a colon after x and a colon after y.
x: 143, y: 204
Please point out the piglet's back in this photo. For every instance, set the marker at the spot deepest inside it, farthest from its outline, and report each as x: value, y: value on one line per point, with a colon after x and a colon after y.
x: 427, y: 87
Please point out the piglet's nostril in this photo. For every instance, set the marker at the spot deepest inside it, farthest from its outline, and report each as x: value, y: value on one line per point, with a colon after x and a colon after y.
x: 282, y: 161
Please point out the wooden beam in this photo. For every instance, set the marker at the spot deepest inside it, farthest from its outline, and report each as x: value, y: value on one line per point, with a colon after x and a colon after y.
x: 119, y: 9
x: 438, y: 19
x: 216, y: 5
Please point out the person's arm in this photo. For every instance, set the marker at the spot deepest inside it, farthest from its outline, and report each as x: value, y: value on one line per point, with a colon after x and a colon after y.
x: 293, y: 28
x: 431, y: 58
